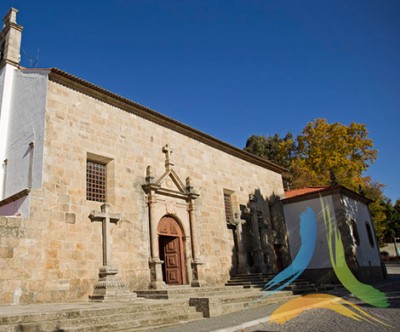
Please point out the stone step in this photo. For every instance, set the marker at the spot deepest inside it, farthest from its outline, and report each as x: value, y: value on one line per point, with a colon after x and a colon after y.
x: 168, y: 313
x: 154, y: 327
x: 223, y: 304
x: 175, y: 293
x: 299, y: 286
x: 72, y: 318
x: 249, y: 279
x: 111, y: 323
x: 254, y: 274
x: 328, y: 287
x: 239, y: 306
x: 259, y: 279
x: 173, y: 312
x: 253, y: 296
x: 145, y: 323
x: 122, y: 308
x: 258, y: 275
x: 139, y: 315
x: 245, y: 282
x: 263, y: 283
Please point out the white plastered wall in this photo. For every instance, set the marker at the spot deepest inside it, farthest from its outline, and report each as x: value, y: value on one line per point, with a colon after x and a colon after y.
x: 25, y: 102
x: 292, y: 212
x: 6, y: 87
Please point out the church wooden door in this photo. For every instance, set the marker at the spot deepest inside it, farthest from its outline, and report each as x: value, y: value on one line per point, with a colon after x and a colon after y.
x: 171, y: 251
x: 172, y: 262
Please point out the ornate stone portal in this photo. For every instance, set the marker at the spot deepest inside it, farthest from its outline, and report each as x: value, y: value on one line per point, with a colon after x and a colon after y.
x: 109, y: 287
x: 163, y: 197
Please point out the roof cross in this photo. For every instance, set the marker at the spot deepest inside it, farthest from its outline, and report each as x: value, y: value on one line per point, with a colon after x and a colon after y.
x: 168, y: 152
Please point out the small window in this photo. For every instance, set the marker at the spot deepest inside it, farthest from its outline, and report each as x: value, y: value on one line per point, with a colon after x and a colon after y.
x: 96, y: 181
x: 355, y: 232
x: 370, y: 236
x: 228, y: 208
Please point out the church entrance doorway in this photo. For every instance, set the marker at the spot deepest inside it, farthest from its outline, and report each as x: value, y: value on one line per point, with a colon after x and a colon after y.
x: 171, y: 251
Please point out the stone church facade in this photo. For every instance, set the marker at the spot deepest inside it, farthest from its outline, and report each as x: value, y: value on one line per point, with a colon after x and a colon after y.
x: 94, y: 184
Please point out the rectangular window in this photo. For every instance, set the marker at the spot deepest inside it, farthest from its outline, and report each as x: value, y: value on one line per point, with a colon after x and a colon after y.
x: 96, y: 180
x: 228, y: 208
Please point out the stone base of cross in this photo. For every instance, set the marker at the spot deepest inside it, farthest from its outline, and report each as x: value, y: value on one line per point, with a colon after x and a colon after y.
x: 109, y: 287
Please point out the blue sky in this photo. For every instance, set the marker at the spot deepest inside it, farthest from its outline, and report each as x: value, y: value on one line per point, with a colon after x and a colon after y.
x: 234, y: 68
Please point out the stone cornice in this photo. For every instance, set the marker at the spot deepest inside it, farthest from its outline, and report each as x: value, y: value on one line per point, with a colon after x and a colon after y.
x: 13, y: 198
x: 70, y: 81
x: 7, y: 61
x: 10, y: 25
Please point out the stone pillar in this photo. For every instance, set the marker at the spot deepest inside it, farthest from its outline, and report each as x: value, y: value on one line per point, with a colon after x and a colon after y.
x: 242, y: 267
x: 257, y: 248
x: 197, y: 268
x: 187, y: 243
x: 155, y: 263
x: 10, y: 43
x: 109, y: 287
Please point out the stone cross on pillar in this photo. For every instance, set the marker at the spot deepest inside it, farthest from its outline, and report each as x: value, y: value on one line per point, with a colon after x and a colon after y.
x: 105, y: 217
x: 109, y: 287
x: 257, y: 247
x: 242, y: 260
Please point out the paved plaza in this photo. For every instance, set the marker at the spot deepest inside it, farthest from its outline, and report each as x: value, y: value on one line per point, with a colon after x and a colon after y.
x: 257, y: 320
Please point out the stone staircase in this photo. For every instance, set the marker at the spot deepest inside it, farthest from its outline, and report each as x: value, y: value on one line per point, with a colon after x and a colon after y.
x: 117, y: 316
x: 161, y: 308
x: 258, y: 281
x: 216, y: 301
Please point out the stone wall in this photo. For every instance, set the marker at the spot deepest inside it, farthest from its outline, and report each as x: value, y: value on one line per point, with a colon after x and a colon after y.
x: 57, y: 252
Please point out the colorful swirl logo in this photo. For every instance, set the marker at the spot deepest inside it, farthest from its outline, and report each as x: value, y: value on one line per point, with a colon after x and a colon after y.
x: 308, y: 237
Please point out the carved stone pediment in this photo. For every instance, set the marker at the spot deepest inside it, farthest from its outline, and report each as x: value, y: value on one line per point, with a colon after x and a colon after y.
x: 169, y: 183
x: 170, y: 186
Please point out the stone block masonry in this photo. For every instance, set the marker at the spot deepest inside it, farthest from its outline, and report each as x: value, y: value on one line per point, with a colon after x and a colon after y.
x: 54, y: 255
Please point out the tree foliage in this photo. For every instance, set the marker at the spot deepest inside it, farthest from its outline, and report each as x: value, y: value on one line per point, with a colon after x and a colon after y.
x: 393, y: 221
x: 274, y: 148
x: 323, y: 150
x: 320, y: 149
x: 378, y: 207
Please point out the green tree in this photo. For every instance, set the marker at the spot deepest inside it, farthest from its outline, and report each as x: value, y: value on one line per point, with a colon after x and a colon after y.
x: 379, y: 207
x: 396, y: 218
x: 274, y: 148
x: 393, y: 220
x: 323, y: 148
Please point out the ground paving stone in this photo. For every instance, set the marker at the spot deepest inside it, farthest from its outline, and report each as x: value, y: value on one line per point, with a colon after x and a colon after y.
x: 328, y: 321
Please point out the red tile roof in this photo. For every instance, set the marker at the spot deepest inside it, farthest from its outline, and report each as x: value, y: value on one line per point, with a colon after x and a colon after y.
x: 304, y: 191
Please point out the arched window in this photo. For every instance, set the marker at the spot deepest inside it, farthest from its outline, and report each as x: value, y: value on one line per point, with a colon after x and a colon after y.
x: 370, y: 236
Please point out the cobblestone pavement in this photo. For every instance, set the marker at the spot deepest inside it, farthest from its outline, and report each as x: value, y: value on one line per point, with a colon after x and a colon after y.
x: 323, y: 320
x: 328, y: 321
